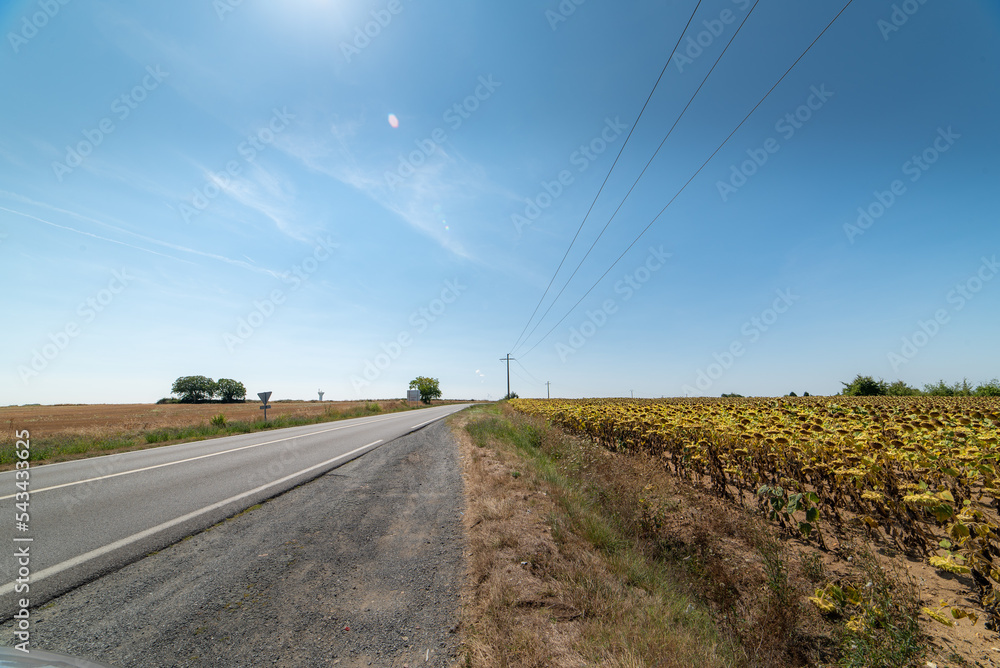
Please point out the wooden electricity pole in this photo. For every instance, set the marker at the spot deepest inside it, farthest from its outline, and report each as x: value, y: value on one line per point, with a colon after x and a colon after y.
x: 508, y: 360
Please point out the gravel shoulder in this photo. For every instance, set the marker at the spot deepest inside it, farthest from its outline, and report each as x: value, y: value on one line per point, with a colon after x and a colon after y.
x: 362, y: 566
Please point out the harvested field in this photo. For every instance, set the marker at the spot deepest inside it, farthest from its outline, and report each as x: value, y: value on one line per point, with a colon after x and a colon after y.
x: 105, y: 419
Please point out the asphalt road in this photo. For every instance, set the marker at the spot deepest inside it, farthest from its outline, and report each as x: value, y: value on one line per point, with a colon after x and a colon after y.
x: 360, y: 567
x: 92, y: 516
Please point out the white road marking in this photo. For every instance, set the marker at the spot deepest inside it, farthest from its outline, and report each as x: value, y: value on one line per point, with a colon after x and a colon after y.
x: 425, y: 422
x: 110, y: 547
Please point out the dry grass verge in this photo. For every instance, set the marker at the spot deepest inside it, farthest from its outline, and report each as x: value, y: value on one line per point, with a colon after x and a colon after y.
x: 580, y: 556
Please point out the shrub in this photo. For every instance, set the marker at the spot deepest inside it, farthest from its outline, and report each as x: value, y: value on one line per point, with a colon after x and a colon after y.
x: 864, y: 386
x: 901, y: 389
x: 990, y: 389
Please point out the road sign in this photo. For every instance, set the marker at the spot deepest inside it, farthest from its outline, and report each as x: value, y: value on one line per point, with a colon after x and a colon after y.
x: 264, y: 396
x: 413, y: 395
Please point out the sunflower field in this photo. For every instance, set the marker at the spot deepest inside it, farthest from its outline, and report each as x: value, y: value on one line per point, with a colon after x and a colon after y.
x: 918, y: 472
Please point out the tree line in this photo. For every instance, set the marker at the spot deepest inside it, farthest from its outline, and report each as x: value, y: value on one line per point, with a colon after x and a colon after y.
x: 198, y: 389
x: 867, y: 386
x: 195, y: 389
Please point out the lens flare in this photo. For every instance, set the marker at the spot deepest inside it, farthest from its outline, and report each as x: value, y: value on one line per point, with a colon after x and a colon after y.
x: 393, y: 121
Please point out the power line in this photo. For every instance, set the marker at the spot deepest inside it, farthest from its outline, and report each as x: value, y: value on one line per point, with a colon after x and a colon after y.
x: 527, y: 372
x: 686, y: 184
x: 608, y: 176
x: 525, y: 380
x: 724, y: 142
x: 638, y: 178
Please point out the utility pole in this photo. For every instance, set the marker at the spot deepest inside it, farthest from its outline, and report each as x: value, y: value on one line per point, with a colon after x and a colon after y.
x: 508, y: 360
x: 548, y: 393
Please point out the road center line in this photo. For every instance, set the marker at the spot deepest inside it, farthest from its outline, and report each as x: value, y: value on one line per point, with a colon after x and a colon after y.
x: 93, y: 554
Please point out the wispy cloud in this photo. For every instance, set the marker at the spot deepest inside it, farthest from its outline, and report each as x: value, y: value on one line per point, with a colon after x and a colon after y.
x: 122, y: 230
x: 262, y: 191
x: 88, y: 234
x: 444, y: 181
x: 268, y: 194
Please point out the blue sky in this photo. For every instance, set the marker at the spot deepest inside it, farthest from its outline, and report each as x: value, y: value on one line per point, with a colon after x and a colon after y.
x: 343, y: 195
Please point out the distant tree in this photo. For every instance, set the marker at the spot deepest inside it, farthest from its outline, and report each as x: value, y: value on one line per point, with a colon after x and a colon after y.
x: 943, y: 389
x: 193, y: 389
x: 988, y: 389
x: 732, y: 395
x: 901, y: 389
x: 805, y: 394
x: 512, y: 395
x: 792, y: 394
x: 864, y: 386
x: 230, y: 391
x: 962, y: 389
x: 429, y: 388
x: 939, y: 389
